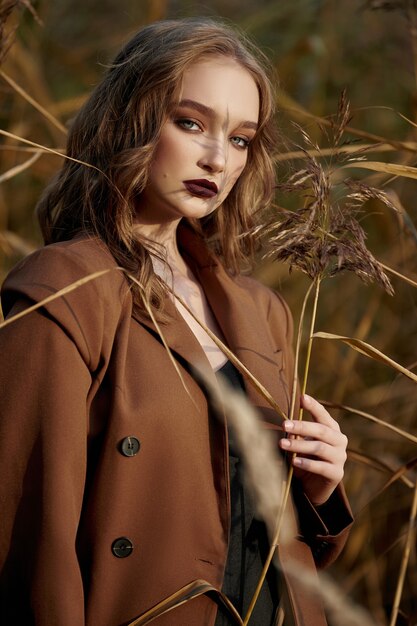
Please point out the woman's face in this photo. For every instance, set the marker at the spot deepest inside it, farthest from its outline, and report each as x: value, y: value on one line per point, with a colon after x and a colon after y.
x: 203, y: 146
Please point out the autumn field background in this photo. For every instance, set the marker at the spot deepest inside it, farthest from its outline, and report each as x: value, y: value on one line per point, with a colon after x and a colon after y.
x: 51, y: 58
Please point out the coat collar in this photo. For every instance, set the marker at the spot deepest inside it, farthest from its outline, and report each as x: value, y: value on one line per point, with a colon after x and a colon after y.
x: 245, y: 330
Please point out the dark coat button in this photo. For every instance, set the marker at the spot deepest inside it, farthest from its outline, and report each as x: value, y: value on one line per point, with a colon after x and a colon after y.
x: 320, y: 548
x: 129, y: 446
x: 122, y: 547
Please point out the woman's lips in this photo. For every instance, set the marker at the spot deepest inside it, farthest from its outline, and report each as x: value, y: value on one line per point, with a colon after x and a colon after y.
x: 201, y: 187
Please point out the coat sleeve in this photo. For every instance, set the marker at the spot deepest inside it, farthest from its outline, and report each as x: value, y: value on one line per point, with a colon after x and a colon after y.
x: 324, y: 528
x: 51, y: 362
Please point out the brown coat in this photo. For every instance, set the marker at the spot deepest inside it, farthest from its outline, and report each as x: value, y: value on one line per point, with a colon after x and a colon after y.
x: 81, y: 375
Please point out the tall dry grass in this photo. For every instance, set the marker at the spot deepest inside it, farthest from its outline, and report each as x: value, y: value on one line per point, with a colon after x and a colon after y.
x: 318, y: 49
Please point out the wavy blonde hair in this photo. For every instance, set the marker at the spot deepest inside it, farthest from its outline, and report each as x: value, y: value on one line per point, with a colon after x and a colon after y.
x: 117, y: 131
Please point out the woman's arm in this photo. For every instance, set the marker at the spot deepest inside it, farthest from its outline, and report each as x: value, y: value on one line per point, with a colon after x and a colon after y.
x: 43, y: 425
x: 51, y: 360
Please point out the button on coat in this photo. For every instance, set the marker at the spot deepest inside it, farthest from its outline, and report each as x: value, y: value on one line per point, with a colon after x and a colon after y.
x: 122, y: 547
x: 129, y: 446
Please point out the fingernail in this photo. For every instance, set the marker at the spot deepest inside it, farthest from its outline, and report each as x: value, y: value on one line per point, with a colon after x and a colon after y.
x: 288, y: 425
x: 307, y: 398
x: 298, y: 461
x: 285, y: 443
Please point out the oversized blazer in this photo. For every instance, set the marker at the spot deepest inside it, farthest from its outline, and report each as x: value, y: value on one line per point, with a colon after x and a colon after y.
x: 114, y: 485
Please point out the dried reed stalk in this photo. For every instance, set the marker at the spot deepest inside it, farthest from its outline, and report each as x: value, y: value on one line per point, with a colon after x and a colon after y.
x: 57, y: 294
x: 411, y: 533
x: 369, y: 351
x: 372, y: 418
x: 233, y: 358
x: 18, y: 169
x: 280, y: 518
x: 190, y: 591
x: 36, y: 105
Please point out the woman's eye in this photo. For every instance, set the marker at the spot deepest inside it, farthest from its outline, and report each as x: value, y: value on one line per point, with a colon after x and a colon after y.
x: 187, y: 124
x: 240, y: 142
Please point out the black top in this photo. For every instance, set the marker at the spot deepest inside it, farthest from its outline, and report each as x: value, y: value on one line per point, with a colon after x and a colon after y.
x: 248, y: 543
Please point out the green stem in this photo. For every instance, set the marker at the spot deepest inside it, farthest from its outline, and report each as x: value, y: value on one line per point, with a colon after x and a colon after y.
x: 275, y: 540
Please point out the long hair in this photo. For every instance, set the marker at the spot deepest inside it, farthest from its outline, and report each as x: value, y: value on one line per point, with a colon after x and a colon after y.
x: 116, y: 132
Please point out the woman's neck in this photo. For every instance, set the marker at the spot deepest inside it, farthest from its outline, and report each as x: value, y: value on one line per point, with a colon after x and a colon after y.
x: 165, y: 235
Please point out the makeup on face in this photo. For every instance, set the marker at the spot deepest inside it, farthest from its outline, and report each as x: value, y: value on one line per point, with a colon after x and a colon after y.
x: 201, y: 188
x: 203, y: 146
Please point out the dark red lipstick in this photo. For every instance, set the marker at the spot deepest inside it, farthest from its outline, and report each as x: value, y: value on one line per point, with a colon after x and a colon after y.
x: 201, y: 187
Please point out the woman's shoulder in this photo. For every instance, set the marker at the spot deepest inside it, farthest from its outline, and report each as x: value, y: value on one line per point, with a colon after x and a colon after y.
x: 82, y: 261
x: 270, y: 302
x: 72, y: 256
x: 75, y: 285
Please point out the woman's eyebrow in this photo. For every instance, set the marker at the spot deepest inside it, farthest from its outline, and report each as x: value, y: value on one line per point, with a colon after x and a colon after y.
x: 208, y: 111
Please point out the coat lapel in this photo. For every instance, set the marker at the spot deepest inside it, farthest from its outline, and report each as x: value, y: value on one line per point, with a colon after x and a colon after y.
x: 246, y: 331
x: 179, y: 338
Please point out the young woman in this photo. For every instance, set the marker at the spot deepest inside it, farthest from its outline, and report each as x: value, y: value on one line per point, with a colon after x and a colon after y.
x: 119, y: 486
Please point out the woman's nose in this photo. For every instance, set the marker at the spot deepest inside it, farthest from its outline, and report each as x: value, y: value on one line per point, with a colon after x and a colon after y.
x: 213, y: 158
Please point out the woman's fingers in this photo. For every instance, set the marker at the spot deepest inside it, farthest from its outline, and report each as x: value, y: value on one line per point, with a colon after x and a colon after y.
x: 319, y: 450
x: 315, y: 448
x: 333, y: 473
x: 319, y: 413
x: 315, y: 431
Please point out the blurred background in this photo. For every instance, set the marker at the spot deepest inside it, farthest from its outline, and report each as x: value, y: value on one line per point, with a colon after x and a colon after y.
x: 318, y: 48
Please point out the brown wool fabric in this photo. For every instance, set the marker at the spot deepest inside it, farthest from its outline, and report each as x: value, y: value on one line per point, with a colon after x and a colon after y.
x: 92, y: 535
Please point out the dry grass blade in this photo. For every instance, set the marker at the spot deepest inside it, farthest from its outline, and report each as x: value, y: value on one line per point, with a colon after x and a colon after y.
x: 17, y: 149
x: 286, y: 102
x: 387, y: 168
x: 161, y: 334
x: 5, y: 133
x: 408, y: 280
x: 406, y: 555
x: 380, y: 466
x: 236, y: 362
x: 185, y: 594
x: 326, y: 152
x: 83, y: 281
x: 10, y: 243
x: 372, y: 418
x: 58, y: 294
x: 369, y: 351
x: 18, y: 169
x: 399, y: 475
x: 33, y: 102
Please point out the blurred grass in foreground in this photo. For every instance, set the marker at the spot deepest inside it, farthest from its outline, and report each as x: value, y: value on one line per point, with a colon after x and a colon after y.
x: 318, y: 48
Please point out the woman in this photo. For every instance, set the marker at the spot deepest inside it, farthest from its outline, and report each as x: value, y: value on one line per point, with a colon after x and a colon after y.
x: 119, y: 485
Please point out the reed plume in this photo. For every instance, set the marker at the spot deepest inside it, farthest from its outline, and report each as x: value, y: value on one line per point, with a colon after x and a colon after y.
x: 324, y: 237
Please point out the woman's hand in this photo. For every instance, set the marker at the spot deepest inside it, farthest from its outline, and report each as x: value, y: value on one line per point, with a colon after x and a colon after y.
x: 320, y: 450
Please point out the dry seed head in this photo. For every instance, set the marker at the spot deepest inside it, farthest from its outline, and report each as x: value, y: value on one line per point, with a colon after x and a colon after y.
x: 324, y: 237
